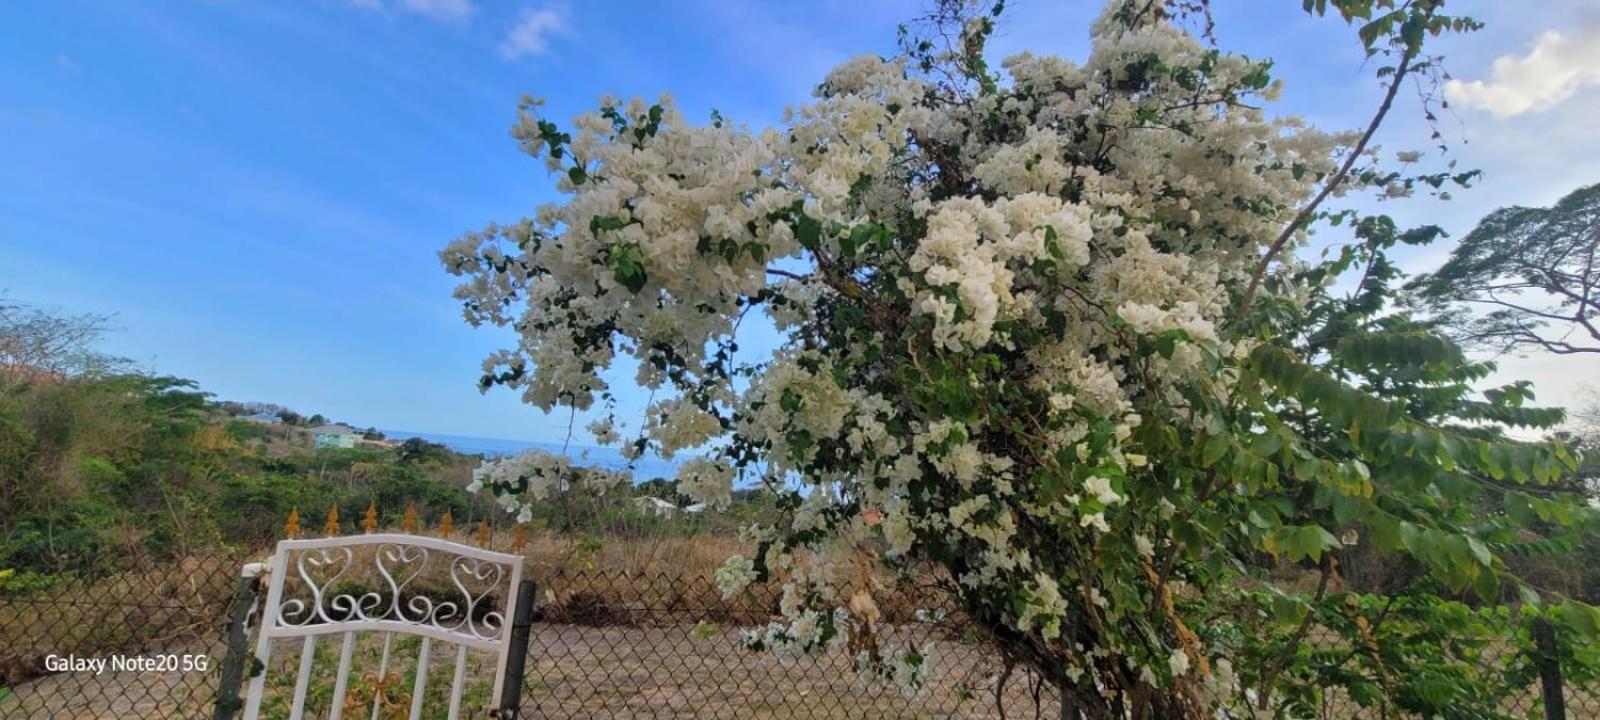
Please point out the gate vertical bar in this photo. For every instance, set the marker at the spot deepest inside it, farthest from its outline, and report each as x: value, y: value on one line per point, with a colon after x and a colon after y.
x: 269, y: 618
x: 1549, y: 661
x: 341, y: 681
x: 458, y: 684
x: 302, y: 683
x: 517, y: 655
x: 419, y: 687
x: 383, y: 669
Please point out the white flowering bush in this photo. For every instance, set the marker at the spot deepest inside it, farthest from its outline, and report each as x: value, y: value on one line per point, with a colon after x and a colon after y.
x: 1047, y: 342
x: 520, y: 481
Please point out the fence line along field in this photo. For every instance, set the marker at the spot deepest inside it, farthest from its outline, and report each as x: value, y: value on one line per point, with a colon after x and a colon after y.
x: 632, y: 641
x: 619, y: 634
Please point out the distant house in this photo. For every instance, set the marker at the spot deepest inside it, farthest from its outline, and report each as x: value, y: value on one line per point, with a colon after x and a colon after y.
x: 655, y: 506
x: 264, y: 418
x: 335, y: 436
x: 661, y: 508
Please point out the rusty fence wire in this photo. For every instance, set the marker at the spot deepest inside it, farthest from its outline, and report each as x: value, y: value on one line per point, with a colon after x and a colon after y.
x: 604, y: 645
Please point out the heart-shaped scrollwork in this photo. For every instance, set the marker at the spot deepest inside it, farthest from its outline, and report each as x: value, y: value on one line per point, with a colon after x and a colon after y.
x: 481, y: 574
x: 399, y: 565
x: 319, y: 570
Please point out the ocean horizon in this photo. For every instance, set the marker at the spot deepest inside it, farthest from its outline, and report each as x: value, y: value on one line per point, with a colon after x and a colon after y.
x: 647, y: 468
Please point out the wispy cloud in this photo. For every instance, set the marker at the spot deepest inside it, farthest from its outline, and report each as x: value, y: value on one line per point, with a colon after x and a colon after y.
x: 1557, y: 67
x: 530, y: 35
x: 448, y: 10
x: 441, y: 10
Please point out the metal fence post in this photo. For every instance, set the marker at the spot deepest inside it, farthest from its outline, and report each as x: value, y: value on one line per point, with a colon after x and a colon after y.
x: 228, y: 702
x: 1069, y: 708
x: 1549, y: 661
x: 521, y: 624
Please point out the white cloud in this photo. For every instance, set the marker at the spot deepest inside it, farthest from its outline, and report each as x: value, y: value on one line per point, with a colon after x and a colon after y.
x: 442, y: 10
x: 1559, y: 65
x: 531, y: 33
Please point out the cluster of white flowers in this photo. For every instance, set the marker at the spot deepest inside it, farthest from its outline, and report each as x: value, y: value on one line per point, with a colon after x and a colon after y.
x: 679, y: 424
x: 929, y: 260
x: 735, y: 575
x: 520, y: 481
x: 806, y: 631
x: 967, y: 260
x: 1045, y: 607
x: 604, y: 431
x: 706, y: 480
x: 906, y: 669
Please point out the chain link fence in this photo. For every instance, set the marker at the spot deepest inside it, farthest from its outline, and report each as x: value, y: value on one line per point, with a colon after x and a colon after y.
x: 605, y: 645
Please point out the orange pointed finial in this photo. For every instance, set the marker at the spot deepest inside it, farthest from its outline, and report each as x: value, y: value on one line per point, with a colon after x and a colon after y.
x: 291, y: 529
x: 331, y: 527
x: 447, y: 525
x: 370, y: 522
x: 408, y: 523
x: 520, y: 539
x: 483, y: 533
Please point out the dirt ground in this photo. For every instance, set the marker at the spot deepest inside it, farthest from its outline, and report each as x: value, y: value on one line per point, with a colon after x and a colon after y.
x: 578, y: 672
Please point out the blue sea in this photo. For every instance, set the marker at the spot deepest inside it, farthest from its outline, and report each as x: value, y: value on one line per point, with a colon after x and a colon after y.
x: 647, y: 468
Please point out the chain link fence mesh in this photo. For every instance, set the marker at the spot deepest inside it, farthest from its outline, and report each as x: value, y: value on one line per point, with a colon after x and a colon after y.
x: 605, y: 645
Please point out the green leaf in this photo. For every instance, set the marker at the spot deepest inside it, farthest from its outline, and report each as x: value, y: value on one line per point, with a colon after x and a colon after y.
x: 1487, y: 585
x: 1052, y: 244
x: 1480, y: 551
x: 808, y: 231
x: 627, y: 265
x: 1385, y: 532
x: 1214, y: 449
x: 1347, y: 509
x: 860, y: 236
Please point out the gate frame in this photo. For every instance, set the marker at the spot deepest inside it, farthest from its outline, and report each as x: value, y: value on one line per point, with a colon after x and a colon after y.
x: 508, y: 643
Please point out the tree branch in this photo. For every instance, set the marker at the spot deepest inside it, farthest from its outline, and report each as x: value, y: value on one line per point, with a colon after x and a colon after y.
x: 1271, y: 675
x: 787, y: 274
x: 1306, y: 213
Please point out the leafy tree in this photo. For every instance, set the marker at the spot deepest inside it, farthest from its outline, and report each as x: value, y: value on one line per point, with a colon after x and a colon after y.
x: 242, y: 431
x: 416, y: 451
x: 100, y: 468
x: 658, y: 488
x: 1047, y: 346
x: 1524, y: 279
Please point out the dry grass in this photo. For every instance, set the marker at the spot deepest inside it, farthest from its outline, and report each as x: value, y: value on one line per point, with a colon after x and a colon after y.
x: 147, y: 609
x: 698, y: 555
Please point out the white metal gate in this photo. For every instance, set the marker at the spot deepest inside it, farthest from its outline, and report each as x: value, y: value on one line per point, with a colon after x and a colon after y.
x: 385, y: 585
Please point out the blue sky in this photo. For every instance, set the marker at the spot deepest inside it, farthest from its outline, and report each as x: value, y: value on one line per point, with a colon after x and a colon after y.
x: 257, y: 190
